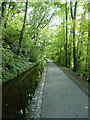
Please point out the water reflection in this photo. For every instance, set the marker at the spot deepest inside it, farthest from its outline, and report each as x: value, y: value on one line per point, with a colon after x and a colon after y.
x: 18, y: 93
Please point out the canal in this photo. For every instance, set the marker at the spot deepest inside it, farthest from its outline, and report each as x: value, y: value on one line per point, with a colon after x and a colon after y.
x: 18, y: 92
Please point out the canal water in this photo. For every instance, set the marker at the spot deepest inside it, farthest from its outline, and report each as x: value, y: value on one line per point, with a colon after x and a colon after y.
x: 17, y: 93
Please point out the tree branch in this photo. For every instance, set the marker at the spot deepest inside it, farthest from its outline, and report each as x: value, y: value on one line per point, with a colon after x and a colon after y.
x: 71, y: 10
x: 49, y: 19
x: 23, y: 27
x: 75, y: 10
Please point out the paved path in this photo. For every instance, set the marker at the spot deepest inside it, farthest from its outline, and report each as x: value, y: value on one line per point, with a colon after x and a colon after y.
x: 62, y: 98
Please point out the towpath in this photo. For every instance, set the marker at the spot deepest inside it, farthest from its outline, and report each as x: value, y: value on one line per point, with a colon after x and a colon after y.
x: 62, y: 98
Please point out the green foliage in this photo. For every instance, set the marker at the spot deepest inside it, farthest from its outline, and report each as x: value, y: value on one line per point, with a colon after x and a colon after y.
x: 13, y: 65
x: 44, y: 36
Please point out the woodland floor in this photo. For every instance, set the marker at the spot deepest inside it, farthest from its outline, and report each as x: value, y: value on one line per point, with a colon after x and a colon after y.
x: 62, y: 98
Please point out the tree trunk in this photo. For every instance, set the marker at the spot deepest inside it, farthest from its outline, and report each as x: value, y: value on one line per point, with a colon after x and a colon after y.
x: 23, y: 28
x: 3, y: 8
x: 66, y: 34
x: 73, y: 15
x: 3, y: 12
x: 74, y: 49
x: 5, y: 17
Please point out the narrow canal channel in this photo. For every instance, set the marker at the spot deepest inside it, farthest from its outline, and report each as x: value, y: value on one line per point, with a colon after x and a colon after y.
x: 17, y: 93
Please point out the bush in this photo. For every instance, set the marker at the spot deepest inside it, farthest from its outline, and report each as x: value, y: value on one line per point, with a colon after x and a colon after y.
x: 13, y: 64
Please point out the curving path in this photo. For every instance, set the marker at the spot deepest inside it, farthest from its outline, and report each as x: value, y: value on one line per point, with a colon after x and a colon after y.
x: 62, y: 98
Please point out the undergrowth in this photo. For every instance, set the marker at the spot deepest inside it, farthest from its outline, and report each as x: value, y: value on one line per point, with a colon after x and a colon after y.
x: 13, y: 65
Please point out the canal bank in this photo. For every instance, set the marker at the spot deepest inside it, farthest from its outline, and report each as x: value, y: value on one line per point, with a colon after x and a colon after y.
x: 18, y: 73
x: 18, y: 93
x: 55, y: 96
x: 34, y: 110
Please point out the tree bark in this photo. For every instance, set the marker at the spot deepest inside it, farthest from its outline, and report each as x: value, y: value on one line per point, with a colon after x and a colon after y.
x: 3, y: 12
x: 74, y: 41
x: 23, y: 28
x: 66, y: 33
x: 3, y: 8
x: 4, y: 5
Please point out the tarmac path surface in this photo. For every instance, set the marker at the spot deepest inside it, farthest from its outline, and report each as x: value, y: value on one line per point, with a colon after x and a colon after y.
x: 62, y: 98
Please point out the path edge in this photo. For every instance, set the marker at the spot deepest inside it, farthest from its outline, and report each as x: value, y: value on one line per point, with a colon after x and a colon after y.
x: 36, y: 103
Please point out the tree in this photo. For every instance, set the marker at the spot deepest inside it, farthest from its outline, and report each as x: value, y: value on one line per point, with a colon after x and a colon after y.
x: 44, y: 30
x: 3, y: 8
x: 7, y: 8
x: 22, y: 31
x: 66, y: 12
x: 73, y: 16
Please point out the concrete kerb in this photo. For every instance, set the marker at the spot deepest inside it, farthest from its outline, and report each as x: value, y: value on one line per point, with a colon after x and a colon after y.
x: 36, y: 103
